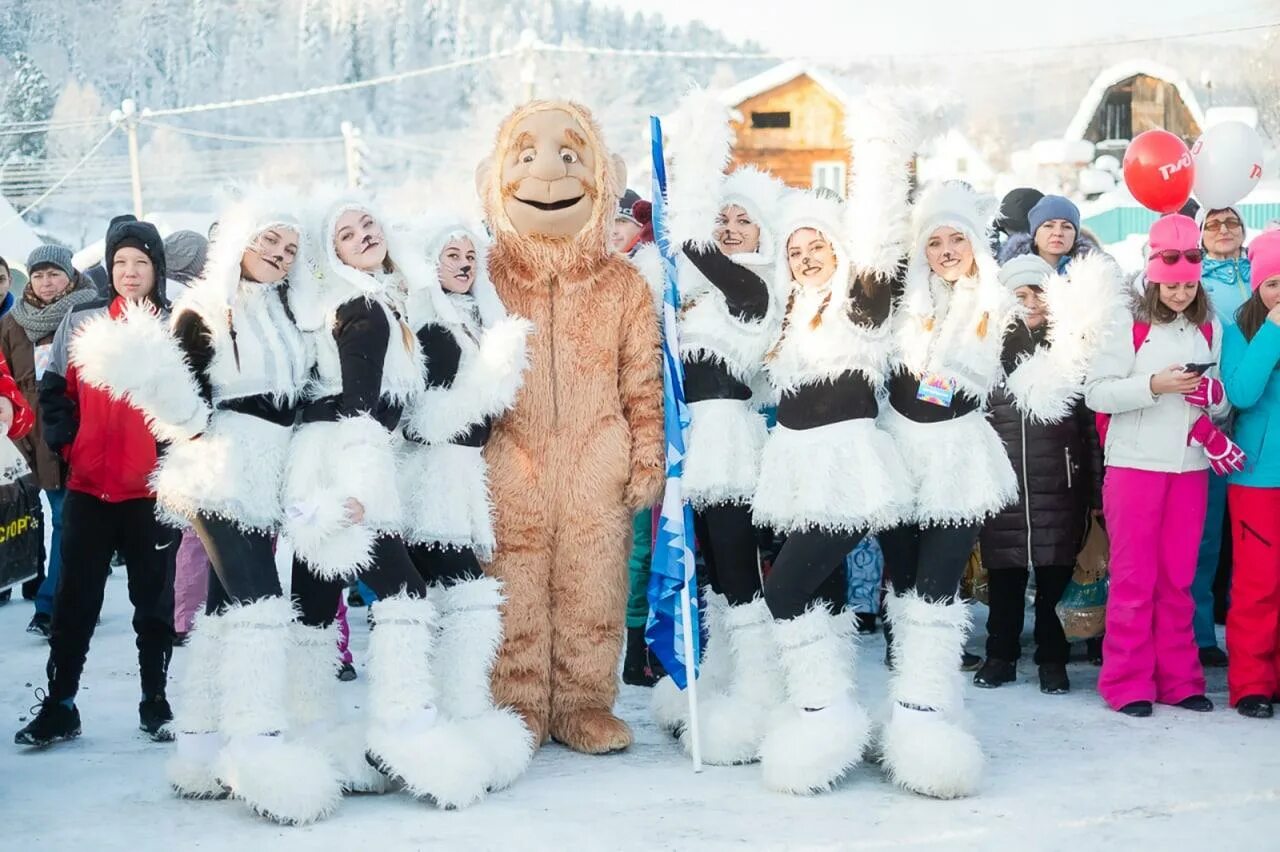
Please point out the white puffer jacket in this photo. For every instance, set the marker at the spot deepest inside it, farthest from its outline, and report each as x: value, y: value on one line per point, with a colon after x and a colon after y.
x: 1149, y: 432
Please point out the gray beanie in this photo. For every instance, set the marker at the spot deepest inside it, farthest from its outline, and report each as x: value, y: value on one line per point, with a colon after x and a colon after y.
x: 1025, y: 270
x: 51, y: 255
x: 184, y: 253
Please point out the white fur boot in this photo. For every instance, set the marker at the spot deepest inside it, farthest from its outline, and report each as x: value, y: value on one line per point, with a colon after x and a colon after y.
x: 313, y: 709
x: 733, y: 723
x: 407, y: 739
x: 669, y: 704
x: 191, y: 770
x: 823, y: 731
x: 926, y: 747
x: 467, y: 643
x: 282, y: 779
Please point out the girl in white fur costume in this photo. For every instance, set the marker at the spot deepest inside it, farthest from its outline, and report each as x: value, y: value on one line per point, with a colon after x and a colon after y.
x: 222, y: 387
x: 949, y: 333
x: 475, y: 360
x: 724, y: 230
x: 828, y: 476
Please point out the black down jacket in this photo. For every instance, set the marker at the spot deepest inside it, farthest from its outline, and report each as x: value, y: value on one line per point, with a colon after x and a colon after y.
x: 1059, y: 472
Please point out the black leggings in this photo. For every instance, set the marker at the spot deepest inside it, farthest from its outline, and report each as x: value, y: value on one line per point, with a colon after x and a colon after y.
x: 444, y: 566
x: 727, y: 540
x: 930, y: 560
x: 805, y: 565
x: 391, y: 572
x: 244, y: 563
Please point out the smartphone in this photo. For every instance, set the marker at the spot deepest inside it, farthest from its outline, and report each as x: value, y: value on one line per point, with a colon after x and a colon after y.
x: 1198, y: 369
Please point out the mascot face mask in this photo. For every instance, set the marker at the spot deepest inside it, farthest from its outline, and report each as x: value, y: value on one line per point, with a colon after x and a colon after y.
x: 552, y: 173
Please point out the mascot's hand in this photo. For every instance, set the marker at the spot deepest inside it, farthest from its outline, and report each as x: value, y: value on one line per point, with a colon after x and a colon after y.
x: 644, y: 488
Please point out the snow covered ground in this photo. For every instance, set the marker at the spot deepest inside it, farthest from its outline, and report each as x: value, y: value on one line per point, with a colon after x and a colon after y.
x: 1064, y: 773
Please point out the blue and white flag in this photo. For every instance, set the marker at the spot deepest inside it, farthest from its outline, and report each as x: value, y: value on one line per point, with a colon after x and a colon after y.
x: 672, y: 631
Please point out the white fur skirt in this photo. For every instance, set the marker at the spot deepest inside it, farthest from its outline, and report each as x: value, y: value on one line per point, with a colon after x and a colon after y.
x: 959, y: 470
x: 722, y: 457
x: 845, y: 477
x: 445, y: 492
x: 234, y: 470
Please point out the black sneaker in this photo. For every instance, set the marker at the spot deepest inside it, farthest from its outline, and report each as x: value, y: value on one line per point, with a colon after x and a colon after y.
x: 180, y: 639
x: 995, y: 673
x: 1053, y: 679
x: 154, y: 717
x: 866, y: 622
x: 1255, y: 707
x: 1198, y: 703
x: 635, y: 662
x: 354, y: 598
x: 969, y: 662
x: 347, y: 672
x: 1137, y: 709
x: 54, y: 721
x: 1213, y: 657
x: 40, y: 625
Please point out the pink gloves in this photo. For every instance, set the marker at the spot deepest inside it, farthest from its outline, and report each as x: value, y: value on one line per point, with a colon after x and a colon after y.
x: 1225, y: 456
x: 1210, y: 392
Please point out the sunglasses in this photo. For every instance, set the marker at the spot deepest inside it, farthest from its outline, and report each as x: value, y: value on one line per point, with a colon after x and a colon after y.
x: 1223, y: 225
x: 1170, y: 256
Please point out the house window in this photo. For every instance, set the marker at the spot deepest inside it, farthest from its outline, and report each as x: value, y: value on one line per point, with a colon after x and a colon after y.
x: 829, y: 174
x: 1117, y: 116
x: 770, y: 119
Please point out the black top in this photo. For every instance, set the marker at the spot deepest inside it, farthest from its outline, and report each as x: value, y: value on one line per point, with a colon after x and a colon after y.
x: 705, y: 380
x: 849, y: 395
x: 196, y: 341
x: 744, y: 292
x: 444, y: 355
x: 363, y: 334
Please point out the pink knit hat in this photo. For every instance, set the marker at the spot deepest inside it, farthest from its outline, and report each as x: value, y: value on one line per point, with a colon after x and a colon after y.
x: 1176, y: 233
x: 1264, y: 257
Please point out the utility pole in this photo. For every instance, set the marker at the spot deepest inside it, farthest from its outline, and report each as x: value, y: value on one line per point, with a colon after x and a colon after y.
x: 528, y: 63
x: 129, y: 115
x: 355, y: 150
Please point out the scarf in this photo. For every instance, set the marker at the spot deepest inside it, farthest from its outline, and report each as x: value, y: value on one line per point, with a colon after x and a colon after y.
x: 40, y: 321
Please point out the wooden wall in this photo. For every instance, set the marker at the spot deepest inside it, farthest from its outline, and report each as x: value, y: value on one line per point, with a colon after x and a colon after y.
x: 816, y: 132
x: 1154, y: 103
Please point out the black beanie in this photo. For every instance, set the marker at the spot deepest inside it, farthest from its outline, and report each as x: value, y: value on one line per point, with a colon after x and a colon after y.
x: 127, y: 232
x: 1014, y: 208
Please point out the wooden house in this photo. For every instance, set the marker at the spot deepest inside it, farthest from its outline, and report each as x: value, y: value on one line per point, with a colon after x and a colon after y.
x: 1133, y: 97
x: 792, y: 124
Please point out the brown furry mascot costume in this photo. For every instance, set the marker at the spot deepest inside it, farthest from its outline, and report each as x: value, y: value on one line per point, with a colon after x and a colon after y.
x: 582, y: 449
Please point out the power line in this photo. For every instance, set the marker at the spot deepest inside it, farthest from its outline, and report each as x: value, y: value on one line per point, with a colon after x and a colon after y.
x: 232, y: 137
x: 18, y: 216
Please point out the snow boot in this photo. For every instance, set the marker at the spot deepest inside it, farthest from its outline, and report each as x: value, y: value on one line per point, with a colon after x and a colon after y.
x: 926, y: 747
x: 467, y: 642
x: 1196, y: 703
x: 285, y: 780
x: 822, y: 732
x: 313, y: 709
x: 190, y: 770
x: 635, y: 663
x: 54, y: 721
x: 41, y: 625
x: 404, y: 738
x: 1053, y: 679
x: 669, y: 704
x: 1137, y: 709
x: 154, y: 717
x: 733, y: 722
x: 1255, y: 707
x: 994, y: 673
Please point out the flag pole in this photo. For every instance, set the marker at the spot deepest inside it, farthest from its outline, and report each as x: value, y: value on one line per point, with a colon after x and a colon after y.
x: 673, y: 498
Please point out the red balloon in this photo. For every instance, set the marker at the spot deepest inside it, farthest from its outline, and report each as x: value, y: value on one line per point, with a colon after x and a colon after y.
x: 1159, y: 171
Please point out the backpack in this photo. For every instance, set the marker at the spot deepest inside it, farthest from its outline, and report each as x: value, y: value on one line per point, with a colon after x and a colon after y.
x: 1140, y: 332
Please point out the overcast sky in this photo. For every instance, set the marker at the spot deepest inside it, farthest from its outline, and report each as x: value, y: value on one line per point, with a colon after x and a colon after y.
x: 849, y: 28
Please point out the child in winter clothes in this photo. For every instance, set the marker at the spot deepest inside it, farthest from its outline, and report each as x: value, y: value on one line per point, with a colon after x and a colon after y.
x: 1158, y: 379
x: 1054, y: 463
x: 110, y: 503
x: 1251, y: 371
x: 1225, y: 276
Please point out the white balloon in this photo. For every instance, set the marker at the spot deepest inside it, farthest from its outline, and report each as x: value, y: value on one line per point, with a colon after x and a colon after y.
x: 1228, y: 159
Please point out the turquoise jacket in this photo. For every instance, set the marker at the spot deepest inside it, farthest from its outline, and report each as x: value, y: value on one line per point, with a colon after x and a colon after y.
x: 1249, y: 370
x: 1227, y: 282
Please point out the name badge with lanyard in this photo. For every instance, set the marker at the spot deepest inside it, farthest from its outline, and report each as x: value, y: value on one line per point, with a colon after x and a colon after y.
x: 936, y: 390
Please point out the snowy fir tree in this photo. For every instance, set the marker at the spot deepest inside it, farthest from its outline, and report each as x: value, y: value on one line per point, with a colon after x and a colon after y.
x: 27, y: 98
